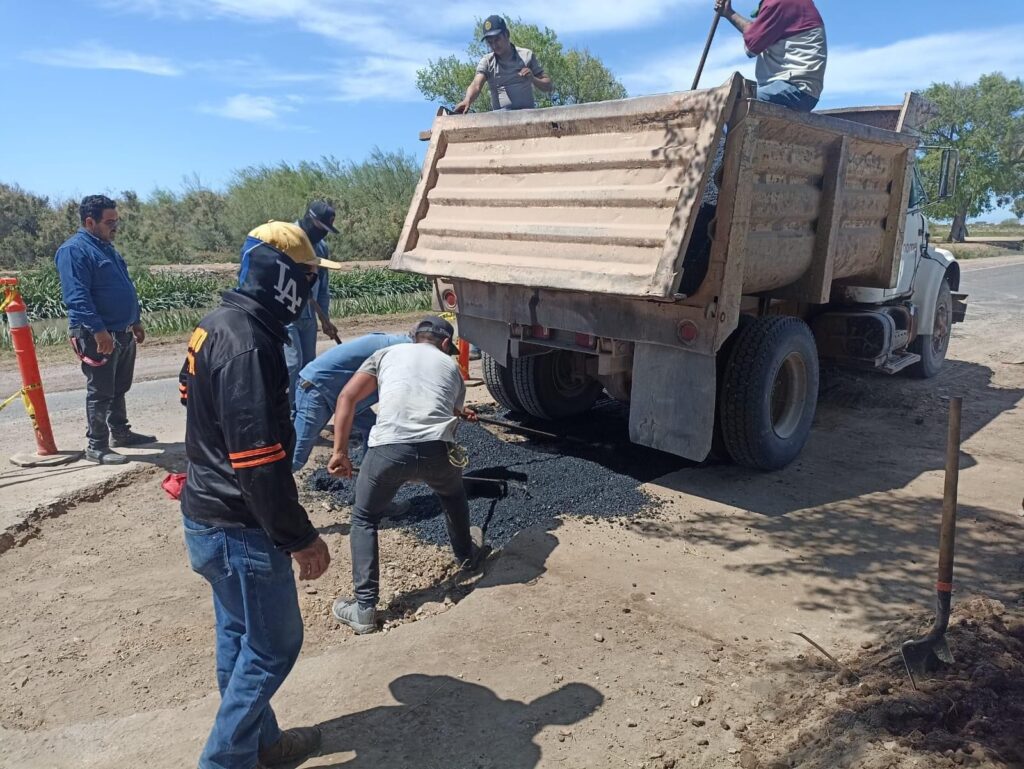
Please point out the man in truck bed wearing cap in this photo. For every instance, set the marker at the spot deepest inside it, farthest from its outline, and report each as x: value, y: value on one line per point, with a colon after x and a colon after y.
x: 511, y: 73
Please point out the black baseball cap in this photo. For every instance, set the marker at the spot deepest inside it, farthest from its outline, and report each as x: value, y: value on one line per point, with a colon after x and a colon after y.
x: 432, y: 324
x: 493, y: 25
x: 323, y: 212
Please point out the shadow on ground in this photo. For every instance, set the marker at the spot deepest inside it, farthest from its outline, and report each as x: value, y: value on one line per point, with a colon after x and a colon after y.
x: 443, y: 723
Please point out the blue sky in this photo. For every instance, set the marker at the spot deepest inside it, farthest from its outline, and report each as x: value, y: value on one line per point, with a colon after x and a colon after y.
x: 108, y: 95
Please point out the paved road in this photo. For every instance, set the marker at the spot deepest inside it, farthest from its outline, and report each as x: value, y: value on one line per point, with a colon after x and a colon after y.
x: 994, y: 286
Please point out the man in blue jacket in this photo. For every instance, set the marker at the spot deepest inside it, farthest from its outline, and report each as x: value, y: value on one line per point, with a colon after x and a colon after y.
x: 320, y: 383
x: 105, y: 326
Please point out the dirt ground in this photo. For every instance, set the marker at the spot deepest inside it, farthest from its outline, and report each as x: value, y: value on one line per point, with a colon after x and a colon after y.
x: 660, y: 640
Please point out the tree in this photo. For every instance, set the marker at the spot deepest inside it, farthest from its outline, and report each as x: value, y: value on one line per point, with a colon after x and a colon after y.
x: 29, y: 227
x: 371, y: 199
x: 985, y: 122
x: 578, y: 76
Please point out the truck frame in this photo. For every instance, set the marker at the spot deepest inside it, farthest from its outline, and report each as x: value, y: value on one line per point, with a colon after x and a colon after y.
x: 695, y: 254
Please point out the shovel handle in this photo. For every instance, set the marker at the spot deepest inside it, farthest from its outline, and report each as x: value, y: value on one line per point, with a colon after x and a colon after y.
x: 707, y: 49
x: 947, y: 536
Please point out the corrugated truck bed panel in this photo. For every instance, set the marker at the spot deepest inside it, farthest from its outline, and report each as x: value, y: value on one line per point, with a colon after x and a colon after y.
x: 594, y: 197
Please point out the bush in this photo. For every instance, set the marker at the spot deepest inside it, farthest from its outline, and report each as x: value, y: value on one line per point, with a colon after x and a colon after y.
x: 371, y: 199
x: 198, y: 224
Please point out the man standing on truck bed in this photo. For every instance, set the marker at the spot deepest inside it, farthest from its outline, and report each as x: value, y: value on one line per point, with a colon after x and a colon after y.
x: 510, y: 73
x: 788, y: 39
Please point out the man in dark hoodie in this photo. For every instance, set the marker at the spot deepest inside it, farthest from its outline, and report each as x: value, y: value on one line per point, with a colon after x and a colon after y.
x: 243, y: 522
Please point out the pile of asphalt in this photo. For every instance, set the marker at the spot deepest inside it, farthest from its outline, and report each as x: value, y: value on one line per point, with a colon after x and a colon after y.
x: 542, y: 487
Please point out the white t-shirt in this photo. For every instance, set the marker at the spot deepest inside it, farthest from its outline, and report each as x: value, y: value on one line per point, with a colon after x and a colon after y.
x: 419, y: 388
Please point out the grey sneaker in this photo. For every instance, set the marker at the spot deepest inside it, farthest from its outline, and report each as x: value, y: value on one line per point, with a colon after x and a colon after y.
x: 294, y: 745
x: 105, y: 457
x: 131, y: 439
x: 347, y: 612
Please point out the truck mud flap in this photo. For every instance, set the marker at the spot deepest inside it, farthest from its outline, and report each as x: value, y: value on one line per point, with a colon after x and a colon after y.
x: 959, y: 307
x: 672, y: 403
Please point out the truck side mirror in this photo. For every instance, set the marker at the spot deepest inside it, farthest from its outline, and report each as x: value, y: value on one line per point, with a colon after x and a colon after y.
x: 949, y: 169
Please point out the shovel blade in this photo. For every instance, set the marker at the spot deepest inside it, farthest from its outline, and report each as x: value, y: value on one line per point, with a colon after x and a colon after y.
x: 923, y: 657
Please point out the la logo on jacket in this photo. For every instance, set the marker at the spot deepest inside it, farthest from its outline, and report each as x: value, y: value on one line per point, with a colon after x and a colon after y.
x: 287, y: 290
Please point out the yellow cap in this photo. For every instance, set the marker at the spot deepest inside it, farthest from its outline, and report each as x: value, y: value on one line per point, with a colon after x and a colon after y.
x: 292, y: 240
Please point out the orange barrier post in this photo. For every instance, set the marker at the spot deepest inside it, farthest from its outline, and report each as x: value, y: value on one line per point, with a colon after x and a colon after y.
x: 464, y: 359
x: 25, y: 349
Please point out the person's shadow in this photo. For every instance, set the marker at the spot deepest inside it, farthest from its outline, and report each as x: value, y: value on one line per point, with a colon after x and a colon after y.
x: 445, y: 723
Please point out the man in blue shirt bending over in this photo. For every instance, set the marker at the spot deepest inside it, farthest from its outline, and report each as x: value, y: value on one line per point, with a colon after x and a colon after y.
x: 322, y: 380
x: 105, y: 325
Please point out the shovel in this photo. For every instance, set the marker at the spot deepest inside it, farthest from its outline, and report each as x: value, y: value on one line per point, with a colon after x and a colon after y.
x: 540, y: 433
x: 707, y: 49
x: 924, y: 656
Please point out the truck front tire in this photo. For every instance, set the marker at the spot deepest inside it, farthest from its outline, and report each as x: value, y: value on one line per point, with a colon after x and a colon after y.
x: 500, y: 384
x: 932, y: 348
x: 769, y: 392
x: 552, y: 385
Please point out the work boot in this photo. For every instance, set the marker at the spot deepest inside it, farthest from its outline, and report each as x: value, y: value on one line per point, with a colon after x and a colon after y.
x: 131, y: 439
x: 348, y: 612
x: 480, y: 551
x: 105, y: 457
x: 294, y: 745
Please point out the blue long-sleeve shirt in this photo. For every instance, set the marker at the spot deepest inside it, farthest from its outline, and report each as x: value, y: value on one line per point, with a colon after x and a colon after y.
x: 331, y: 371
x: 95, y: 284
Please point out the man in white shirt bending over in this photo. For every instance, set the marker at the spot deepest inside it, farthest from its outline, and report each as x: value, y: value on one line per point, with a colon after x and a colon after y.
x: 421, y: 397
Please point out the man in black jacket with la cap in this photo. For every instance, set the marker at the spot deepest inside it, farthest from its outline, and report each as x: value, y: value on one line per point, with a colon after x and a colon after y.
x: 243, y: 522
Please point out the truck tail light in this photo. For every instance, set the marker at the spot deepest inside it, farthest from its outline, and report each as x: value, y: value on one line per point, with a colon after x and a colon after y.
x: 687, y: 331
x: 585, y: 340
x: 449, y: 299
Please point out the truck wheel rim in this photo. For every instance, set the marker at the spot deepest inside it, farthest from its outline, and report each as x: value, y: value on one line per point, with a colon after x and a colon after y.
x: 567, y: 382
x: 789, y: 393
x: 940, y: 331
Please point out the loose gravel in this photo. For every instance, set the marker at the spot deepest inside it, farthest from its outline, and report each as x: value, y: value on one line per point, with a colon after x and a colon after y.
x: 541, y: 488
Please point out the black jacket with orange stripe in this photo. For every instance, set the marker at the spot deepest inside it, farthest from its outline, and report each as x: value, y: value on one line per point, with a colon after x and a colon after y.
x: 239, y: 437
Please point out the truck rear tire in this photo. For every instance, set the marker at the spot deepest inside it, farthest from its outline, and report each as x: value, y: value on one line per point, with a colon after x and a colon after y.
x: 549, y: 386
x: 932, y: 348
x: 499, y: 383
x: 769, y: 392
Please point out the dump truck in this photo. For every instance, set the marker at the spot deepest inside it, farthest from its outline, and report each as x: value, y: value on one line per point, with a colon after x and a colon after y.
x: 696, y: 254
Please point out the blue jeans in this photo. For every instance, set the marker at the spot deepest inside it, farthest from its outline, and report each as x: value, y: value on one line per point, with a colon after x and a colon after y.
x: 259, y: 635
x: 301, y: 351
x: 313, y: 410
x: 786, y: 94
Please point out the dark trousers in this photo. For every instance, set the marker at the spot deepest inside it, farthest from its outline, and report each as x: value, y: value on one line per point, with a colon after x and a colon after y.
x: 382, y: 473
x: 106, y: 385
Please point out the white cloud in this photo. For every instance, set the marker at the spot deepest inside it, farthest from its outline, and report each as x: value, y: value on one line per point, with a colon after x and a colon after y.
x: 94, y: 55
x: 918, y: 62
x: 375, y: 20
x: 875, y: 74
x: 253, y: 109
